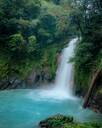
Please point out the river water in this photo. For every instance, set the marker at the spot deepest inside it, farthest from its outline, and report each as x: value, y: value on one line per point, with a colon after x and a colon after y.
x: 25, y: 108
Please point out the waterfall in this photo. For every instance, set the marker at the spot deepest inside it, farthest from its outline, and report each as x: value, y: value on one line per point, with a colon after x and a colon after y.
x: 64, y: 75
x: 63, y: 86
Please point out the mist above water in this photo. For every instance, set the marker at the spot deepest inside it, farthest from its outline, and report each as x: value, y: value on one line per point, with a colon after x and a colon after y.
x: 63, y: 86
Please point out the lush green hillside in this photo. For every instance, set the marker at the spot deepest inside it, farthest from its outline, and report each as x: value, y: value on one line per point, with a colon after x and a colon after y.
x: 32, y: 33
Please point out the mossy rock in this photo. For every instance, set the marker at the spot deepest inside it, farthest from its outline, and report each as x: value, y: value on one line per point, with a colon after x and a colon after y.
x: 60, y: 121
x: 56, y: 121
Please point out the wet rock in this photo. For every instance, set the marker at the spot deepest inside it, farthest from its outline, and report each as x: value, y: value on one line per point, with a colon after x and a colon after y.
x: 4, y: 84
x: 35, y: 79
x: 38, y: 77
x: 44, y: 124
x: 11, y: 83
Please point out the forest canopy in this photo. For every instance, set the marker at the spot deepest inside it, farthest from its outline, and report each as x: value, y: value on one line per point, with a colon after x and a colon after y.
x: 27, y: 28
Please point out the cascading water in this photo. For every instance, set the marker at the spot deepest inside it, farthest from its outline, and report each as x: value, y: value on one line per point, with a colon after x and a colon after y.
x: 64, y: 77
x: 63, y: 86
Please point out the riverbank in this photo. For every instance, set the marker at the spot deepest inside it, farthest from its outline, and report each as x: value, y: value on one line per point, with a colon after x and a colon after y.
x: 60, y: 121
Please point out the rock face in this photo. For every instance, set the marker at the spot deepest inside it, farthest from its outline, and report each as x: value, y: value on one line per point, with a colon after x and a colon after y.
x: 12, y: 83
x: 42, y: 76
x: 37, y: 78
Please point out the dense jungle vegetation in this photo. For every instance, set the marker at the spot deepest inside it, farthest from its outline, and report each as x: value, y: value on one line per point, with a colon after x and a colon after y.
x: 87, y: 17
x: 33, y: 32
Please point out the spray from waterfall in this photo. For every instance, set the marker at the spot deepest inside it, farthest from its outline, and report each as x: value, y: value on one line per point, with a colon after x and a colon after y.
x: 63, y: 86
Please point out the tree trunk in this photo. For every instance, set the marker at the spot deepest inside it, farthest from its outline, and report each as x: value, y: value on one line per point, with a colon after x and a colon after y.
x: 91, y: 88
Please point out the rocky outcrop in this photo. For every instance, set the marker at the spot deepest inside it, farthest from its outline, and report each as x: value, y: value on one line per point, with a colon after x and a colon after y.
x: 12, y: 83
x: 35, y: 79
x: 38, y: 77
x: 56, y: 121
x: 96, y: 103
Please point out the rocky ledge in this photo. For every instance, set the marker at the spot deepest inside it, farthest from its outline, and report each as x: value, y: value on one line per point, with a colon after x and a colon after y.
x: 35, y: 79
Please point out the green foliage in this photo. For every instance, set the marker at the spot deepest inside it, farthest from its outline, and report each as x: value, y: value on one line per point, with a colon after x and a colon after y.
x: 16, y: 42
x: 60, y: 121
x: 49, y: 60
x: 27, y: 29
x: 24, y: 8
x: 84, y: 60
x: 86, y: 17
x: 4, y: 67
